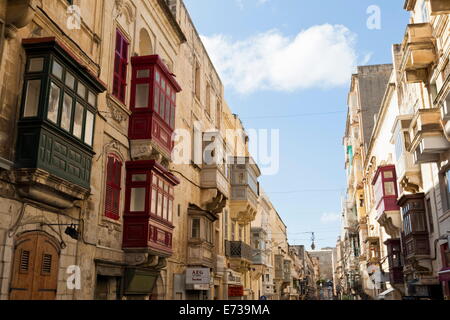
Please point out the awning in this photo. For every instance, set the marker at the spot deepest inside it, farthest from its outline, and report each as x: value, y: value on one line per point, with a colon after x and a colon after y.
x: 386, y: 292
x: 444, y: 275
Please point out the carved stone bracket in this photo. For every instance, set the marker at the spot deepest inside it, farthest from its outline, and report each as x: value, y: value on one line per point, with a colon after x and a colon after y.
x: 146, y: 260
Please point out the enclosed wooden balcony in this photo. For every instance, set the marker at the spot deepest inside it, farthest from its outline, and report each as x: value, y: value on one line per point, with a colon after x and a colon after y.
x: 415, y: 236
x: 418, y: 51
x: 153, y: 107
x: 258, y: 239
x: 214, y: 175
x: 395, y: 259
x: 200, y: 240
x: 244, y: 189
x: 148, y: 216
x: 439, y: 7
x: 408, y: 172
x: 427, y: 136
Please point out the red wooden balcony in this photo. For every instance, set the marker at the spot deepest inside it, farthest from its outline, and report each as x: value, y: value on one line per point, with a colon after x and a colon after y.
x: 386, y: 193
x: 153, y: 103
x: 149, y: 207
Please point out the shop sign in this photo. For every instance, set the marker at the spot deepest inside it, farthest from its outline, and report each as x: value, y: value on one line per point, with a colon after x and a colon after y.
x: 233, y: 277
x: 198, y: 276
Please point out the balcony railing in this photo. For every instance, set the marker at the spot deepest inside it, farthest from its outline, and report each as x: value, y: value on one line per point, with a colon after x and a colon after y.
x: 238, y: 249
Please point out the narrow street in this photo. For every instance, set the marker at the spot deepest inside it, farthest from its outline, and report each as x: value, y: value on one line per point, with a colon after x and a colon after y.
x: 240, y: 150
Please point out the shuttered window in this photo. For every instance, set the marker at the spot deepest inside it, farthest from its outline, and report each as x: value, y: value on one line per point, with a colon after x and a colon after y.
x: 113, y: 187
x: 46, y: 263
x: 24, y: 261
x: 120, y: 67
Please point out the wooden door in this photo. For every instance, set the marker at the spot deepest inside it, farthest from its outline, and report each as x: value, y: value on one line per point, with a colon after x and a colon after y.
x: 35, y: 269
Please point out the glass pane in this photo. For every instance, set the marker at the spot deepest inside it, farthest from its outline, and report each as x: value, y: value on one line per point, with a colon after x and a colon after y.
x: 172, y: 117
x: 36, y: 65
x: 161, y: 104
x: 157, y: 77
x: 53, y: 103
x: 165, y: 213
x: 66, y: 115
x: 143, y: 73
x: 137, y: 200
x: 142, y: 93
x: 78, y: 121
x: 153, y: 201
x: 70, y: 80
x: 167, y: 115
x: 159, y: 205
x: 156, y: 106
x: 57, y: 70
x: 89, y: 128
x: 155, y: 180
x: 81, y: 90
x: 170, y: 210
x: 139, y: 178
x: 388, y: 174
x: 32, y: 98
x: 389, y: 189
x: 92, y: 99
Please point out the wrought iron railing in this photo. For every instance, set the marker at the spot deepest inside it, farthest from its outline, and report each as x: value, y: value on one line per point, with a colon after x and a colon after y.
x: 238, y: 249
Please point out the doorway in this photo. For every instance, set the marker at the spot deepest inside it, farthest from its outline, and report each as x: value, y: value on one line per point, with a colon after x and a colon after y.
x: 35, y: 267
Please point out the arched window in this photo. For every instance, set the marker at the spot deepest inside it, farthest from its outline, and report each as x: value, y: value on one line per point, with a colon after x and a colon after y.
x: 145, y: 43
x: 113, y: 187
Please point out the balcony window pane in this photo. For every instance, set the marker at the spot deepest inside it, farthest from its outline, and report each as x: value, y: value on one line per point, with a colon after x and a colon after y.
x: 156, y: 106
x: 66, y: 115
x: 165, y: 208
x: 159, y: 212
x: 157, y: 77
x: 170, y: 213
x: 388, y: 175
x: 195, y: 228
x: 57, y: 70
x: 162, y: 102
x: 70, y: 80
x: 137, y: 200
x: 78, y: 121
x: 153, y: 201
x: 167, y: 115
x: 53, y: 103
x: 172, y: 117
x: 36, y: 65
x: 143, y: 73
x: 142, y: 94
x: 89, y: 128
x: 32, y: 98
x: 81, y: 90
x: 139, y: 177
x: 92, y: 99
x: 389, y: 189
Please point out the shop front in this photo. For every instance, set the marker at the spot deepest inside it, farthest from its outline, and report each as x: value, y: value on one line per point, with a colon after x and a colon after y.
x: 198, y: 283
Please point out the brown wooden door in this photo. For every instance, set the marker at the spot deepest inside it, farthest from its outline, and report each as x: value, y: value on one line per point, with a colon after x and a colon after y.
x: 35, y: 269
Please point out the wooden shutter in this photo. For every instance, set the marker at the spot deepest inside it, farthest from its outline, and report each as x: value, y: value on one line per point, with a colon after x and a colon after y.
x: 113, y: 188
x: 120, y: 67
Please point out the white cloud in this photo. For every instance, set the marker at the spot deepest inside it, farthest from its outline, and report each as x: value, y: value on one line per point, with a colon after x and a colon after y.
x: 330, y: 217
x: 321, y: 56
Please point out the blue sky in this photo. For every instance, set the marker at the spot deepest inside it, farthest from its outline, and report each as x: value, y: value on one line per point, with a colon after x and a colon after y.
x: 295, y: 57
